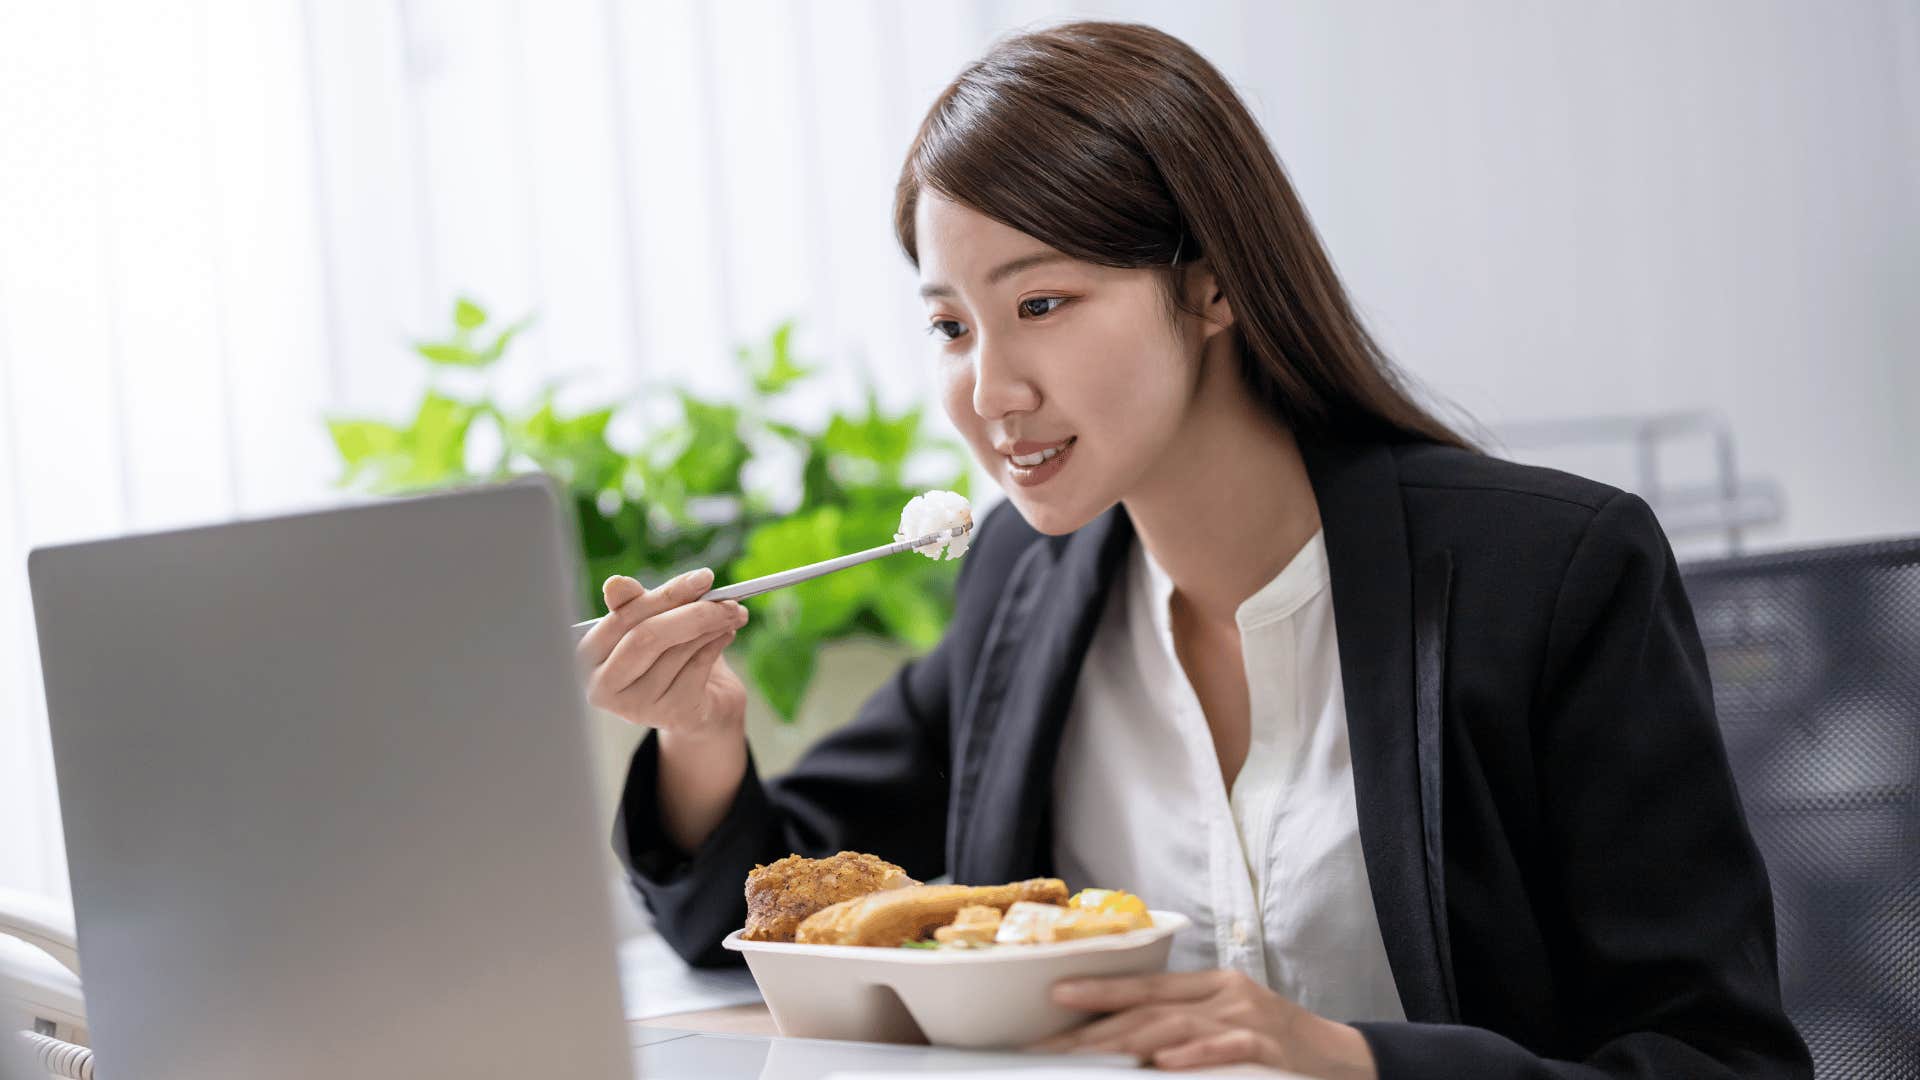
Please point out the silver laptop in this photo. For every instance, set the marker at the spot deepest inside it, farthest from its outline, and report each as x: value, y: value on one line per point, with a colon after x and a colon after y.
x: 327, y: 795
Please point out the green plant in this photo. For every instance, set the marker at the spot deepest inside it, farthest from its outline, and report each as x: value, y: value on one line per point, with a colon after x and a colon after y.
x: 680, y: 500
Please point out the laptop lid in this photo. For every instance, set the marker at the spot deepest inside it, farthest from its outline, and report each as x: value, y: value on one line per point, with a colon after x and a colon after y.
x: 326, y: 787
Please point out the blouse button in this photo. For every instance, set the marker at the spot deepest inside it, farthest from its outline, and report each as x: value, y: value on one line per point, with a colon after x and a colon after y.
x: 1239, y: 931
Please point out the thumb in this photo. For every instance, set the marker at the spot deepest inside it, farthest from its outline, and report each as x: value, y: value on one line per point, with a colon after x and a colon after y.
x: 620, y: 590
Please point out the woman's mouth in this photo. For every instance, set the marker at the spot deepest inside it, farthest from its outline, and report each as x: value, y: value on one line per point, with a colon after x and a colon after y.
x: 1040, y: 465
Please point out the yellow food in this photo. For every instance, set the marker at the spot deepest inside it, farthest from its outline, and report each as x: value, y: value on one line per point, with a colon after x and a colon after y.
x: 1078, y: 924
x: 1108, y: 900
x: 1039, y: 924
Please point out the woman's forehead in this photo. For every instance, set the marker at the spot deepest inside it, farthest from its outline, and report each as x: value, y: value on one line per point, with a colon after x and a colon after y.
x: 960, y: 247
x: 955, y: 232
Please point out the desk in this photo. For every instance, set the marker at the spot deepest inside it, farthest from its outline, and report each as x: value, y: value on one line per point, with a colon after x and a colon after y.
x: 740, y: 1041
x: 735, y: 1020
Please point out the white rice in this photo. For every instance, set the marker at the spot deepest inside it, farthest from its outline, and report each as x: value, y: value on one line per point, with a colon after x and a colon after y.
x: 936, y: 511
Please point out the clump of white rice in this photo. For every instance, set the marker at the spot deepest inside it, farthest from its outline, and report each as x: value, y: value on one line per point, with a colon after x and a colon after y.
x: 936, y: 511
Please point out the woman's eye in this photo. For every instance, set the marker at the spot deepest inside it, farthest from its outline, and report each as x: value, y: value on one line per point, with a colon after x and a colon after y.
x: 1038, y: 306
x: 946, y: 329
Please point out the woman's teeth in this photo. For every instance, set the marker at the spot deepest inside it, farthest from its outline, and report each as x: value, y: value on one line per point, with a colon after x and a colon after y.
x: 1028, y: 461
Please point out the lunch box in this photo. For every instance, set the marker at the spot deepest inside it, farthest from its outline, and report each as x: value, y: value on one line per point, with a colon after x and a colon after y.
x: 977, y: 998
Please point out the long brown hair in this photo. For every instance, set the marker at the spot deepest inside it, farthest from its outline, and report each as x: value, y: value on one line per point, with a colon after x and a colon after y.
x: 1120, y: 145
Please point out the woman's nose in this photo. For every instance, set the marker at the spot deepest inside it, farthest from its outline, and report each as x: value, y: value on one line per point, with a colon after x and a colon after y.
x: 1000, y: 387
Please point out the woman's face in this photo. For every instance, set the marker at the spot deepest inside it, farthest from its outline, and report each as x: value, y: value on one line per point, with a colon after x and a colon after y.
x: 1042, y: 355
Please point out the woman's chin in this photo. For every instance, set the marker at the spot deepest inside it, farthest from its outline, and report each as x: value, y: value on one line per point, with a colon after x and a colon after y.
x: 1050, y: 518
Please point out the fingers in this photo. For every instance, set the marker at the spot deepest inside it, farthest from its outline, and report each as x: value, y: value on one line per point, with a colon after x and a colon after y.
x: 1119, y: 1031
x: 1228, y: 1047
x: 619, y: 589
x: 691, y: 683
x: 629, y: 604
x: 655, y: 682
x: 684, y: 589
x: 1130, y: 991
x: 643, y: 645
x: 1176, y: 1027
x: 600, y: 638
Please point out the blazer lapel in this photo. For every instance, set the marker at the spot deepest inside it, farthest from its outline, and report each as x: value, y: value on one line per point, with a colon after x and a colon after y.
x: 1432, y: 593
x: 1000, y: 826
x: 1364, y: 520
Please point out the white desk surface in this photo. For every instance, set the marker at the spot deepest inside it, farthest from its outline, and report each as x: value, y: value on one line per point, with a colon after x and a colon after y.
x: 664, y: 1053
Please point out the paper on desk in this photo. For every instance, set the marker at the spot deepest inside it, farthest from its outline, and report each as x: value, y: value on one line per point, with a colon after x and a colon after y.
x: 656, y: 982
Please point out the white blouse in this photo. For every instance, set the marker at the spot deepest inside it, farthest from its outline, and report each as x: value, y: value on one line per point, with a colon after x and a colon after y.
x: 1271, y: 873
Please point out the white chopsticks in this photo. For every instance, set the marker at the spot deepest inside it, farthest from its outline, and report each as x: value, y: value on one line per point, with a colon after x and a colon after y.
x: 741, y: 590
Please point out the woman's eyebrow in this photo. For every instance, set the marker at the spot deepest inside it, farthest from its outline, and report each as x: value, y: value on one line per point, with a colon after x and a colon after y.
x: 1002, y: 272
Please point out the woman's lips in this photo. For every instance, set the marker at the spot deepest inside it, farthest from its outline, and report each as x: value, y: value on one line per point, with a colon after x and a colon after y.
x: 1035, y: 475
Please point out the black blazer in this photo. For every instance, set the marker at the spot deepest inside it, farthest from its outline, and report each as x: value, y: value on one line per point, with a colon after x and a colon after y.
x: 1564, y: 879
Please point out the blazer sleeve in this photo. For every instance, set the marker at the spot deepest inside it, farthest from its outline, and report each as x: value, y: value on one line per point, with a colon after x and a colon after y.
x: 879, y: 784
x: 1666, y: 958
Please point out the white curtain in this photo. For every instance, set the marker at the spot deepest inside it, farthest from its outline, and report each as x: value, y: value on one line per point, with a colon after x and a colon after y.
x: 220, y: 219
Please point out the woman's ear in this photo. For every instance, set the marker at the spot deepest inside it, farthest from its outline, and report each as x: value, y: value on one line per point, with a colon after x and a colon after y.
x: 1208, y: 299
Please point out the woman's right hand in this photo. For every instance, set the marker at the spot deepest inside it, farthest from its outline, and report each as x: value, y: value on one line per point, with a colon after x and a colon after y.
x: 656, y: 658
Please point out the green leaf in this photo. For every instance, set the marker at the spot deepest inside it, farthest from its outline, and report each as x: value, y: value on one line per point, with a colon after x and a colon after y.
x: 573, y: 448
x: 429, y: 452
x: 777, y: 370
x: 825, y: 605
x: 359, y: 441
x: 911, y: 615
x: 871, y: 449
x: 805, y: 536
x: 495, y: 351
x: 468, y: 315
x: 436, y: 444
x: 449, y: 353
x: 780, y: 368
x: 781, y: 666
x: 711, y: 453
x: 789, y: 432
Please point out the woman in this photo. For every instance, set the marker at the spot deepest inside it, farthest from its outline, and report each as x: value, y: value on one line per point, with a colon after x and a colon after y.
x: 1421, y: 739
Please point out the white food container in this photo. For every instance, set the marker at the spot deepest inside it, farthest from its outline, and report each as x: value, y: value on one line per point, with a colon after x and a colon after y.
x: 980, y: 998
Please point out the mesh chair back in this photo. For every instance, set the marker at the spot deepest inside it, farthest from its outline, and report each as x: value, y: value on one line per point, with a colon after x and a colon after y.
x: 1815, y: 658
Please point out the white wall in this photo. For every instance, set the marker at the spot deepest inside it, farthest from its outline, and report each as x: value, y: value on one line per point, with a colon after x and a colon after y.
x: 219, y: 218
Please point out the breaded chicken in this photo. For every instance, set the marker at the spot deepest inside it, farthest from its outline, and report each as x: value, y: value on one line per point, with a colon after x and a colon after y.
x: 781, y: 895
x: 890, y: 918
x: 974, y: 925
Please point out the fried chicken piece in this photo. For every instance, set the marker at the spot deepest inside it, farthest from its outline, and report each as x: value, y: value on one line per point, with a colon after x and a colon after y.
x: 974, y: 925
x: 782, y: 894
x: 890, y: 918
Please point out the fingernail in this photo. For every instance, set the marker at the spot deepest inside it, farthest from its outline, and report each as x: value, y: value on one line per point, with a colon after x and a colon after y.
x: 1069, y: 991
x: 699, y: 580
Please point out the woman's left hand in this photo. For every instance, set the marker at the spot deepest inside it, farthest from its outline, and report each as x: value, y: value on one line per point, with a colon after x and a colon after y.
x: 1187, y: 1020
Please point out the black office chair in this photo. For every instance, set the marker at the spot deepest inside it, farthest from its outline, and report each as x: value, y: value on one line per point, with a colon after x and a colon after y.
x: 1816, y: 676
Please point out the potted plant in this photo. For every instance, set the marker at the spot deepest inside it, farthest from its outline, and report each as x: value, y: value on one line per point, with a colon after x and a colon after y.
x: 682, y: 499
